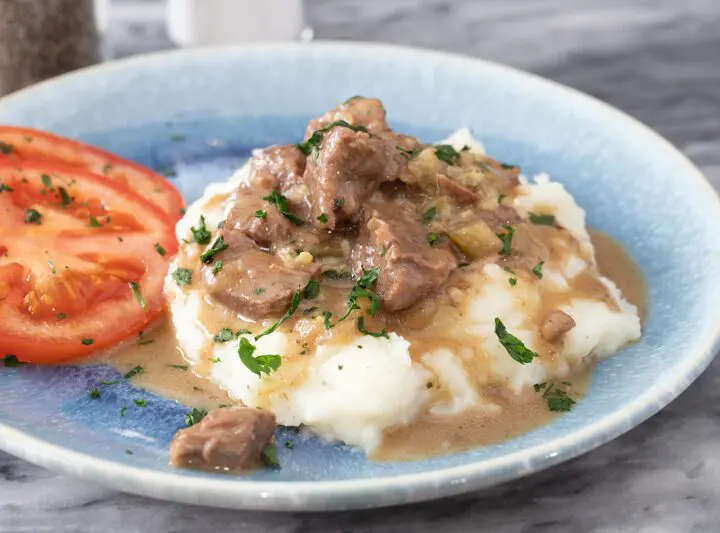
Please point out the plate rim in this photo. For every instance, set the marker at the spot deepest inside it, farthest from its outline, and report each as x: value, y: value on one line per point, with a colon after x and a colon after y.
x: 238, y: 493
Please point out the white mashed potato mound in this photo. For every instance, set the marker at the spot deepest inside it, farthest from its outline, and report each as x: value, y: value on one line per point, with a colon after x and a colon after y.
x: 352, y: 392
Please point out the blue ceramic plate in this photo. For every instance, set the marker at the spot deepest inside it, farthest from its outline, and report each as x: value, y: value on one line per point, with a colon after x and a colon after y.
x: 224, y: 102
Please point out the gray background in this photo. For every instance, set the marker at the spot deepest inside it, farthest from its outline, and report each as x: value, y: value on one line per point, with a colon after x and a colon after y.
x: 658, y: 60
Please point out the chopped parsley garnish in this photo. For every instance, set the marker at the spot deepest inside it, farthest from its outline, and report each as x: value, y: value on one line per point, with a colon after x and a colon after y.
x: 129, y: 452
x: 507, y: 165
x: 224, y: 335
x: 262, y: 364
x: 289, y: 444
x: 182, y: 276
x: 176, y: 137
x: 310, y: 310
x: 4, y: 187
x: 46, y: 181
x: 506, y: 239
x: 361, y: 328
x: 139, y: 402
x: 94, y: 393
x: 269, y: 456
x: 194, y: 416
x: 179, y: 367
x: 313, y: 143
x: 429, y: 214
x: 61, y: 316
x: 446, y: 153
x: 105, y: 382
x: 201, y: 235
x: 93, y: 222
x: 539, y: 386
x: 281, y: 204
x: 260, y: 214
x: 218, y: 246
x: 412, y: 154
x: 52, y: 266
x: 33, y: 216
x: 334, y: 274
x: 259, y: 290
x: 327, y: 315
x: 557, y: 399
x: 243, y: 332
x: 322, y: 218
x: 6, y: 148
x: 537, y: 270
x: 311, y: 290
x: 512, y: 281
x: 122, y: 411
x: 360, y: 290
x: 217, y: 267
x: 513, y: 345
x: 338, y: 202
x: 433, y: 238
x: 64, y: 196
x: 86, y: 341
x: 135, y: 288
x: 293, y: 307
x: 136, y: 371
x: 11, y: 361
x: 159, y: 249
x: 542, y: 220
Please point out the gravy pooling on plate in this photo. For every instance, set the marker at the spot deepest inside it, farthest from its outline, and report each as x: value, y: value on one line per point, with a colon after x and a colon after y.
x: 377, y: 290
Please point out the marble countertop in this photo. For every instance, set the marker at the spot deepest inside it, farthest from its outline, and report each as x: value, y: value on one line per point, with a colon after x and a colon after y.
x: 658, y: 60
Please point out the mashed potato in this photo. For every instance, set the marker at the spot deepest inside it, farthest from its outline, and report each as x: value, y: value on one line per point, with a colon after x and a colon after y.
x: 353, y: 391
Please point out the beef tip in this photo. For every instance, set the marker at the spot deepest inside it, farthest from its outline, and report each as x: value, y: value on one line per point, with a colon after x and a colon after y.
x: 348, y: 167
x: 555, y: 324
x: 276, y: 167
x: 254, y: 283
x: 227, y: 439
x: 393, y: 239
x: 274, y: 231
x: 358, y: 111
x: 452, y: 188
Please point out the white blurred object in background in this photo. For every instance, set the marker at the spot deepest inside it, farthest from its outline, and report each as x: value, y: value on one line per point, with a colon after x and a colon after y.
x: 217, y: 22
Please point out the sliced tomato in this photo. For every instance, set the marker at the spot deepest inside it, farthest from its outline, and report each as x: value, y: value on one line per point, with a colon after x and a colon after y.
x: 19, y: 144
x: 82, y: 262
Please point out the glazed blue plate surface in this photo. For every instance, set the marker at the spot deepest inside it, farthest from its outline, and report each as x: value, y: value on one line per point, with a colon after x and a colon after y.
x: 224, y: 102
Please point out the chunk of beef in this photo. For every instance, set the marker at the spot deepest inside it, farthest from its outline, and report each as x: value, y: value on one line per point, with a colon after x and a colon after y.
x: 393, y: 239
x: 452, y: 188
x: 358, y: 111
x: 555, y: 324
x: 227, y: 439
x: 255, y: 283
x: 348, y: 167
x: 276, y: 167
x: 274, y: 231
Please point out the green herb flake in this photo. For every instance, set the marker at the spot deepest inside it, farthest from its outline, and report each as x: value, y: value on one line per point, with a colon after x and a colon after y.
x: 86, y: 341
x: 139, y: 402
x: 180, y: 367
x: 218, y: 246
x: 558, y: 400
x: 46, y: 181
x: 433, y: 239
x: 94, y: 393
x: 93, y: 222
x: 311, y: 290
x: 446, y: 153
x: 506, y: 239
x: 293, y: 307
x: 361, y: 328
x: 135, y: 288
x: 129, y: 452
x: 360, y: 290
x: 262, y: 364
x: 217, y: 267
x: 122, y: 411
x: 507, y: 166
x: 537, y: 270
x: 201, y: 235
x: 512, y: 281
x: 322, y: 218
x: 514, y: 346
x: 289, y: 444
x: 429, y: 214
x: 159, y: 249
x: 104, y: 382
x: 6, y: 148
x: 4, y: 187
x: 136, y: 371
x: 412, y: 154
x: 281, y: 204
x: 61, y: 316
x: 11, y: 361
x: 65, y: 199
x: 327, y: 315
x: 539, y: 386
x: 338, y: 203
x: 542, y: 220
x: 314, y: 141
x: 194, y: 416
x: 182, y: 276
x: 224, y: 335
x: 52, y: 266
x: 176, y: 137
x: 269, y: 457
x: 33, y: 216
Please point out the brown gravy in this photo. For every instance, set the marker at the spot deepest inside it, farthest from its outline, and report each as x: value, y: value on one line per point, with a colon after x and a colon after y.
x: 429, y: 435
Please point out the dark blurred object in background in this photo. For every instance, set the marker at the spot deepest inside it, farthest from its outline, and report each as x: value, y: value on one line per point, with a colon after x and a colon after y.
x: 40, y: 39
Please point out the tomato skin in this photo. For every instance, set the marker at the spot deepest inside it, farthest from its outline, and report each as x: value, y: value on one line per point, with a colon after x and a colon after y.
x: 105, y: 257
x: 27, y: 144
